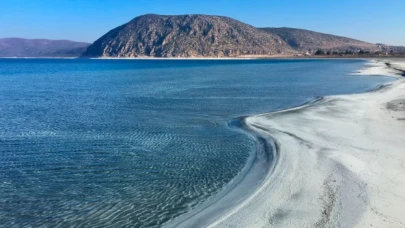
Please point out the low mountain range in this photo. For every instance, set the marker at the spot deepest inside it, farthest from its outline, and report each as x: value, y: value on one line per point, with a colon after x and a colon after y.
x: 194, y: 35
x: 305, y: 40
x: 18, y: 47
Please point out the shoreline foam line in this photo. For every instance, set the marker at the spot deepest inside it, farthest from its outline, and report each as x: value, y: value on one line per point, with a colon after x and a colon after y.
x: 341, y: 164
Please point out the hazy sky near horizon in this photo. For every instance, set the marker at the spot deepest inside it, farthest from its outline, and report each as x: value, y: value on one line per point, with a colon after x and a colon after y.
x: 86, y: 20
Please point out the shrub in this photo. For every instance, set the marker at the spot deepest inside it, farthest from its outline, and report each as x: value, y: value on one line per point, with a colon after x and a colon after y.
x: 320, y: 52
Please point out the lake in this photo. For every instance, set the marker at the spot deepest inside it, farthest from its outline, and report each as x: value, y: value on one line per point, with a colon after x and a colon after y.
x: 135, y: 143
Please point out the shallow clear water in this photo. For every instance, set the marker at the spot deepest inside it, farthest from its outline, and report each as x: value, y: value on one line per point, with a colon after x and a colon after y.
x: 124, y: 143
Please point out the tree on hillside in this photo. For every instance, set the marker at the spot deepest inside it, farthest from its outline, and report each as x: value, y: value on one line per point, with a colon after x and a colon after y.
x: 349, y: 52
x: 362, y: 52
x: 320, y: 52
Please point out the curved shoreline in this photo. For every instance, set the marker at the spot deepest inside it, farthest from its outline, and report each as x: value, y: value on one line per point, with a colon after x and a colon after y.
x: 259, y: 165
x: 324, y: 177
x: 254, y: 173
x: 257, y: 207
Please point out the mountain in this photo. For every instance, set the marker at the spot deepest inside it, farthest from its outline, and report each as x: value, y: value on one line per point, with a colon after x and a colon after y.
x: 18, y: 47
x: 211, y: 36
x: 304, y: 40
x: 186, y: 36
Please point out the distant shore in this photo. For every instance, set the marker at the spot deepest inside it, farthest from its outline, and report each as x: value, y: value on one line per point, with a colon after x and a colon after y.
x: 39, y: 57
x: 255, y: 57
x: 247, y: 57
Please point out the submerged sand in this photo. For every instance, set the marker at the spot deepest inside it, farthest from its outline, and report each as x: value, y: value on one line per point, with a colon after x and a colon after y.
x: 340, y: 163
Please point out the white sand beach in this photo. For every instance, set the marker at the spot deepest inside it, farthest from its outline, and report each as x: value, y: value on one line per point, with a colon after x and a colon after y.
x: 340, y: 163
x: 379, y: 68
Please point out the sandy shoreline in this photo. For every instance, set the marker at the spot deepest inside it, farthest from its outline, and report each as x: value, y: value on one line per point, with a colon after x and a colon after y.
x: 341, y: 163
x: 336, y: 162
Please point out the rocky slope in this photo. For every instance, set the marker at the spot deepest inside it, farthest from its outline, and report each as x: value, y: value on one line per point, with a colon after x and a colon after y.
x: 186, y: 36
x: 304, y: 40
x: 212, y: 36
x: 18, y: 47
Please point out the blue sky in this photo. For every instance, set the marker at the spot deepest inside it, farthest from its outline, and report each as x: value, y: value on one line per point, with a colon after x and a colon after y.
x: 86, y: 20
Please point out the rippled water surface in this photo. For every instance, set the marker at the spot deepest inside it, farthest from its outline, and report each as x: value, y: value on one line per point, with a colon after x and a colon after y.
x: 125, y: 143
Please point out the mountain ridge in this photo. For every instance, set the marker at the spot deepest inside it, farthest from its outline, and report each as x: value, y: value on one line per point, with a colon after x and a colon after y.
x: 185, y: 36
x: 199, y: 35
x: 195, y: 35
x: 304, y: 40
x: 21, y: 47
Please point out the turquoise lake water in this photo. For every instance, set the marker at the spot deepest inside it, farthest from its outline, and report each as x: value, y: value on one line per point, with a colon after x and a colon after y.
x: 135, y: 143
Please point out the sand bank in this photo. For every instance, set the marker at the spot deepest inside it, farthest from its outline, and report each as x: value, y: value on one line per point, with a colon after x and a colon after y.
x: 340, y: 163
x: 380, y: 68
